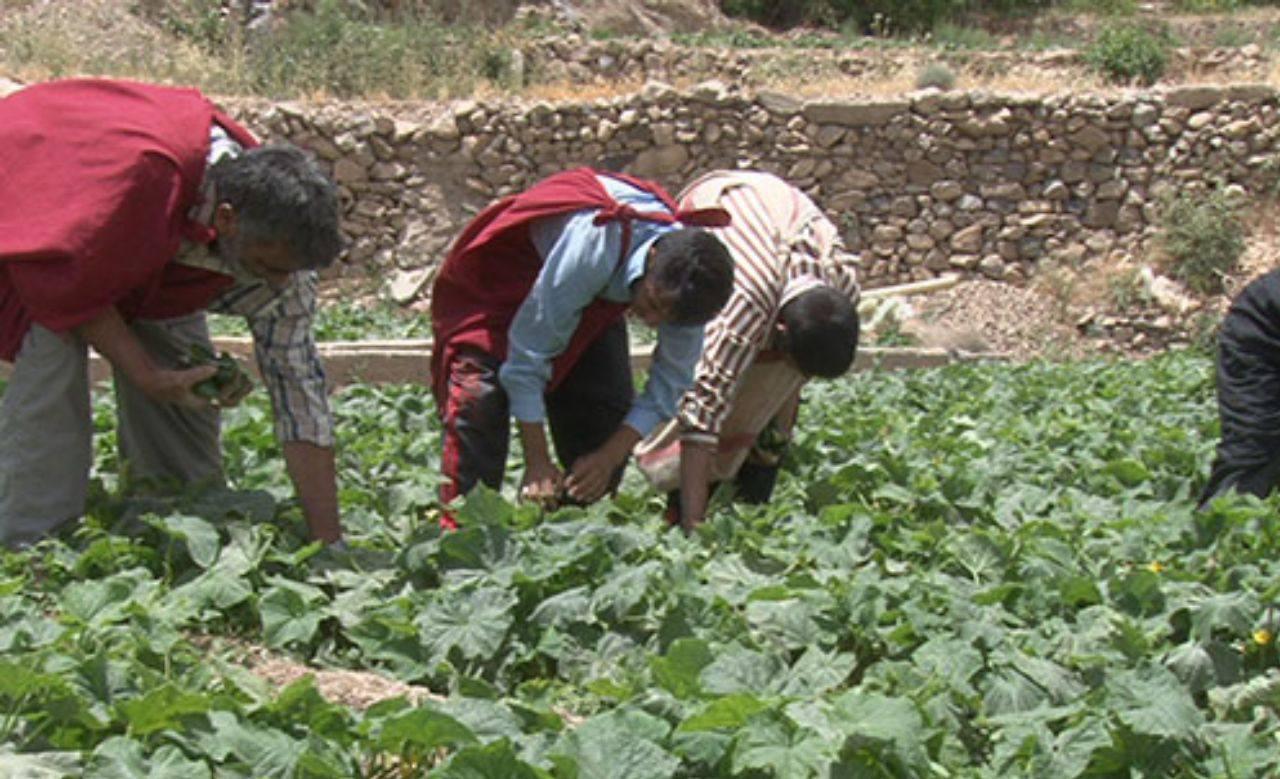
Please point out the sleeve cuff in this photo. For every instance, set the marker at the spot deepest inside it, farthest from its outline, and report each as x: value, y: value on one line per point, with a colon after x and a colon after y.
x: 694, y: 436
x: 643, y: 421
x: 527, y: 407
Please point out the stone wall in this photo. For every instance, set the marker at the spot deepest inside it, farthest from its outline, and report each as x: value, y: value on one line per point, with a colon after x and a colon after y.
x: 930, y: 182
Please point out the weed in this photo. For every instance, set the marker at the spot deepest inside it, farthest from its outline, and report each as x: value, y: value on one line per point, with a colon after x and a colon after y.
x: 1105, y: 7
x: 1202, y: 235
x: 1126, y: 289
x: 935, y: 74
x: 1128, y: 53
x: 1234, y: 36
x: 1207, y: 6
x: 952, y: 36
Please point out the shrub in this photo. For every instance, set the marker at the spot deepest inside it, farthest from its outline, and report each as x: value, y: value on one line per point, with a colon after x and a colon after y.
x: 1130, y: 53
x: 935, y: 74
x: 870, y: 16
x: 344, y: 53
x: 1202, y: 235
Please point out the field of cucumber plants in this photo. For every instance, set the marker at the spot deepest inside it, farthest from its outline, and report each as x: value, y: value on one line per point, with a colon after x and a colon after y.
x: 978, y: 571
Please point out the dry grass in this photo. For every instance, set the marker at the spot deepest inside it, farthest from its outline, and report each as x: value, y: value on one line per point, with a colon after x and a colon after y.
x: 42, y: 39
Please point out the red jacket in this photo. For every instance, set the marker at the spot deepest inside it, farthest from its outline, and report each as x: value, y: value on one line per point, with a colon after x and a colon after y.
x: 493, y: 265
x: 96, y: 180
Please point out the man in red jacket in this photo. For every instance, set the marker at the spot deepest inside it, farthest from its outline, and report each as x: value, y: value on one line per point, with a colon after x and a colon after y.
x: 527, y: 314
x: 127, y: 211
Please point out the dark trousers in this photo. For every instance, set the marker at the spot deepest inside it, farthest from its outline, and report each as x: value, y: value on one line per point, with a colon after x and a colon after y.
x: 1248, y: 388
x: 582, y: 412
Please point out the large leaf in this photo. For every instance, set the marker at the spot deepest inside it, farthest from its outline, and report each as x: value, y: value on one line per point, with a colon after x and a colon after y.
x: 772, y: 744
x: 200, y: 537
x: 123, y: 758
x: 491, y: 761
x: 473, y: 622
x: 611, y: 745
x: 290, y: 611
x: 678, y: 670
x: 1154, y: 703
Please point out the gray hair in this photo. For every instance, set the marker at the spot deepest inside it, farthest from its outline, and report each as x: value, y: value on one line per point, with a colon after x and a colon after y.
x: 279, y: 195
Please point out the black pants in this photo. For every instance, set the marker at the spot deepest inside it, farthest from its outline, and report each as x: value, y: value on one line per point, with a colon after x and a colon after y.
x: 582, y: 412
x: 1248, y: 458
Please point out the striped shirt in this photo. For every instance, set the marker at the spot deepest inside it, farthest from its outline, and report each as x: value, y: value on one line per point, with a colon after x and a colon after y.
x: 782, y: 246
x: 281, y: 323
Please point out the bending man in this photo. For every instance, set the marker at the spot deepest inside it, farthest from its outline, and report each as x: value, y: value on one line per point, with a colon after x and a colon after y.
x: 792, y: 316
x: 1248, y: 458
x: 126, y: 212
x: 527, y: 314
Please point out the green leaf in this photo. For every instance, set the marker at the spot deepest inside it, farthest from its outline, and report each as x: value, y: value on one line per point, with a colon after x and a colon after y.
x: 1154, y: 703
x: 771, y: 744
x: 1073, y: 749
x: 163, y: 708
x: 728, y: 713
x: 473, y: 622
x: 677, y: 671
x: 491, y: 761
x: 741, y: 670
x: 1128, y: 471
x: 201, y: 537
x: 290, y: 612
x: 268, y: 753
x: 39, y: 765
x: 122, y: 758
x: 422, y: 729
x: 608, y: 746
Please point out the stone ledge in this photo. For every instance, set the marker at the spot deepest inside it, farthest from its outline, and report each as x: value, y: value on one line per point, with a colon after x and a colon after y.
x: 408, y: 362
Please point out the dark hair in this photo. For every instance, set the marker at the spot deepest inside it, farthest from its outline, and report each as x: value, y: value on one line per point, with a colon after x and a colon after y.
x: 693, y: 267
x: 821, y: 332
x: 279, y: 195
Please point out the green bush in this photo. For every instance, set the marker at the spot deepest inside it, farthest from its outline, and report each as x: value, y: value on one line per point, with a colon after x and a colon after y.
x: 935, y: 74
x: 341, y: 52
x: 871, y: 16
x: 1202, y: 235
x: 1130, y: 53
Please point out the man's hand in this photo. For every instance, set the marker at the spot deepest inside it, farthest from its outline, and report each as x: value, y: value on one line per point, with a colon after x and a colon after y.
x: 542, y: 482
x: 176, y: 386
x: 233, y: 393
x: 591, y: 474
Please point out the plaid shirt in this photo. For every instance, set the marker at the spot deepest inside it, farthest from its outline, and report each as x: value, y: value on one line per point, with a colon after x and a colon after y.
x: 281, y: 323
x: 782, y: 246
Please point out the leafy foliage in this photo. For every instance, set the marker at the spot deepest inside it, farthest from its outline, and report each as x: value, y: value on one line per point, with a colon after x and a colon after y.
x: 1203, y: 236
x: 1130, y: 53
x: 981, y: 571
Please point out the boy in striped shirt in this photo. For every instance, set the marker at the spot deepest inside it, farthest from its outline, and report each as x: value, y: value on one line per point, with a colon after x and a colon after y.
x: 792, y: 316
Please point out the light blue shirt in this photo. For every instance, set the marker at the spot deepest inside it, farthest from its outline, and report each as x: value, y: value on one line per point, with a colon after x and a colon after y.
x: 580, y: 264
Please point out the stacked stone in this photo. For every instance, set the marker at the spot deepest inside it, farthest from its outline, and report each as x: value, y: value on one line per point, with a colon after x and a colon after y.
x: 577, y: 60
x: 986, y: 184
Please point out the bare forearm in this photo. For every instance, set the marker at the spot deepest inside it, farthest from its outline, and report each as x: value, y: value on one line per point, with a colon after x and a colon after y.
x: 695, y: 470
x: 110, y: 335
x: 314, y: 475
x: 533, y: 441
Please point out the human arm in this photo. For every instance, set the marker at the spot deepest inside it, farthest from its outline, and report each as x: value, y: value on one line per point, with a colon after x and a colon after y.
x: 293, y: 376
x: 313, y: 472
x: 578, y: 262
x: 591, y: 474
x: 695, y: 482
x: 542, y: 478
x: 110, y: 335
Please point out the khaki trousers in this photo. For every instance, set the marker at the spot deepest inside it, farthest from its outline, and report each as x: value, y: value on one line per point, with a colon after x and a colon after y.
x: 46, y: 428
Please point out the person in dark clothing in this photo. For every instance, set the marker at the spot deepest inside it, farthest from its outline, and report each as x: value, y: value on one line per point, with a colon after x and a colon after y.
x: 1248, y: 459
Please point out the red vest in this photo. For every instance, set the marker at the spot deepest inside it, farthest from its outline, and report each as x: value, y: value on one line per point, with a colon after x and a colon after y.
x: 96, y: 180
x: 493, y: 265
